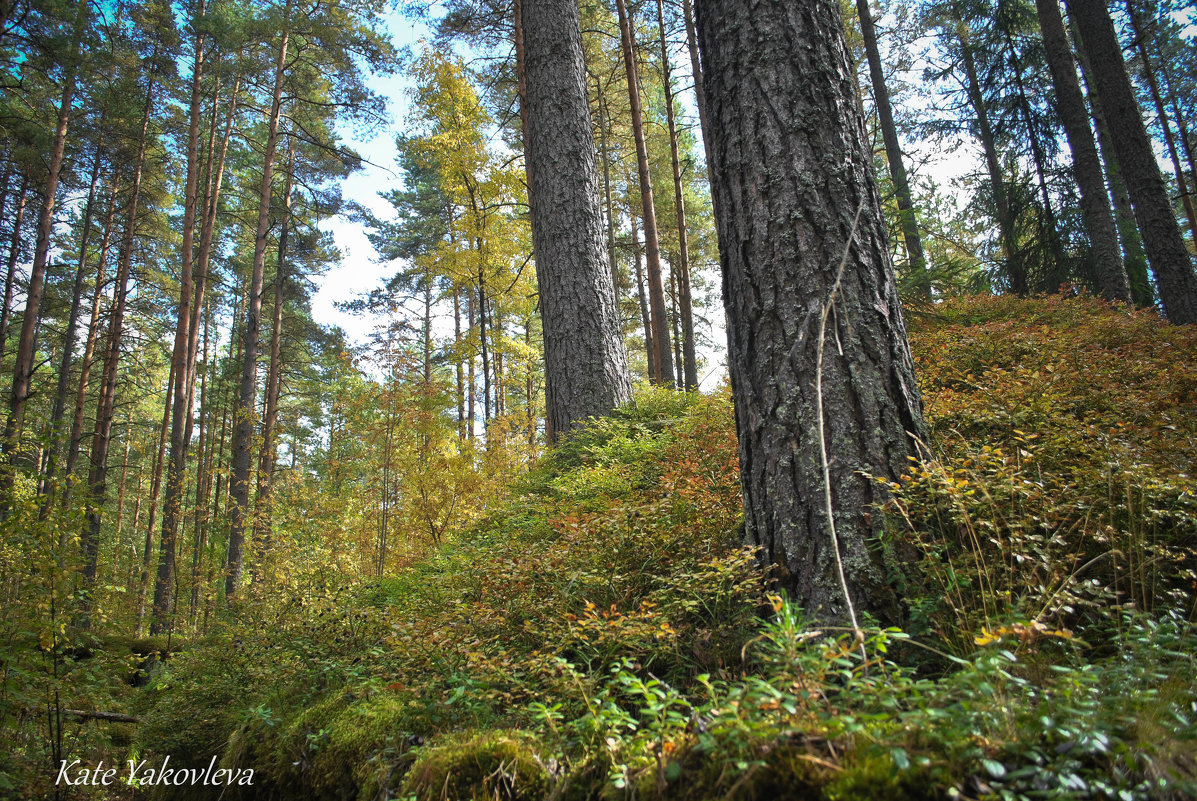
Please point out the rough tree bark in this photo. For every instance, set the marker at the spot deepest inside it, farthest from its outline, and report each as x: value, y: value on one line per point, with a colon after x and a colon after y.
x: 816, y: 342
x: 700, y: 97
x: 586, y: 369
x: 1133, y: 255
x: 1170, y: 260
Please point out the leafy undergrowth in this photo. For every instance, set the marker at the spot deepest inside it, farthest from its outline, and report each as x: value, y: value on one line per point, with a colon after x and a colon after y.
x: 604, y: 636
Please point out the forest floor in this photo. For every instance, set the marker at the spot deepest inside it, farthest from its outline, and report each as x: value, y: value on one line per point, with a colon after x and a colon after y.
x: 603, y: 634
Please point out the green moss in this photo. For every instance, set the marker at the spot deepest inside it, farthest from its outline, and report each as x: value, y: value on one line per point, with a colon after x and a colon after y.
x: 877, y: 777
x: 774, y: 771
x: 475, y: 766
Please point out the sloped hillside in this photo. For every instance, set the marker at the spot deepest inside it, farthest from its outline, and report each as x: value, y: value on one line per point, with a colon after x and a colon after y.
x: 604, y: 635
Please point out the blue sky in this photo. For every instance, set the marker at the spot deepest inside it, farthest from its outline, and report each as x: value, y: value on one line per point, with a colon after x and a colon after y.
x: 360, y: 270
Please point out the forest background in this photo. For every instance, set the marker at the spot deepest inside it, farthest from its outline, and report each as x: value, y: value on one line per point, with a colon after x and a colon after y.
x: 193, y: 214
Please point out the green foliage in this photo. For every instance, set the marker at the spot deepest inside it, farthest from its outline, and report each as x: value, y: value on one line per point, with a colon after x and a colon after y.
x: 1061, y: 485
x: 613, y: 641
x: 479, y: 766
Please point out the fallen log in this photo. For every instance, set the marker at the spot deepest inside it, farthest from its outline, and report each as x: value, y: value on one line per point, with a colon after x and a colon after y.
x: 111, y: 717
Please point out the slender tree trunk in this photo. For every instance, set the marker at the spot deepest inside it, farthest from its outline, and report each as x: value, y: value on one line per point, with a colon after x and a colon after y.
x: 893, y: 152
x: 120, y: 492
x: 262, y: 512
x: 528, y: 388
x: 1095, y: 201
x: 233, y: 357
x: 1057, y: 273
x: 604, y: 121
x: 486, y: 384
x: 650, y: 350
x: 700, y: 95
x: 62, y: 387
x: 23, y: 370
x: 470, y: 377
x: 1186, y: 141
x: 687, y: 360
x: 164, y: 582
x: 5, y: 186
x: 458, y: 347
x: 784, y: 232
x: 1015, y: 269
x: 426, y: 329
x: 202, y: 477
x: 97, y: 479
x: 14, y: 254
x: 143, y: 584
x: 674, y: 319
x: 586, y: 368
x: 75, y: 442
x: 243, y: 431
x: 1170, y: 261
x: 1153, y: 86
x: 652, y: 245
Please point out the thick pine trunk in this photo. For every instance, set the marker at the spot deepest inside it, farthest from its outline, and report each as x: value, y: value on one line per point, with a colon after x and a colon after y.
x: 821, y: 372
x: 1170, y: 261
x: 243, y: 430
x: 586, y: 369
x: 663, y: 361
x: 1095, y: 201
x: 1133, y: 255
x: 893, y: 151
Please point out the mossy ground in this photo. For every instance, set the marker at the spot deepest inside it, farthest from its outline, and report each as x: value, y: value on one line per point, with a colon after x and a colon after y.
x: 604, y: 636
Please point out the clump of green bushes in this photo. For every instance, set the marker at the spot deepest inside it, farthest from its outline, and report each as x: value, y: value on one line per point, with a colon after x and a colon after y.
x: 605, y: 635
